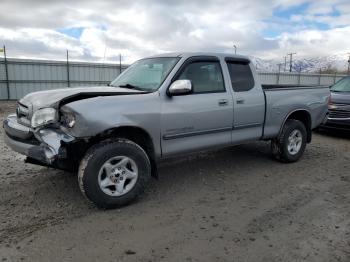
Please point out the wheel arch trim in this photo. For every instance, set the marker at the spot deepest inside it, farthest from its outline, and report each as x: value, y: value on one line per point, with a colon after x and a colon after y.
x: 309, y: 119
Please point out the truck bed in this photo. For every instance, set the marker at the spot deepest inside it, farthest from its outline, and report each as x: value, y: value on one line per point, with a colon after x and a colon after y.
x: 281, y: 100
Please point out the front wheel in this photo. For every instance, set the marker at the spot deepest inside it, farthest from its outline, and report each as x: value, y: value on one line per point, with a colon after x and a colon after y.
x: 114, y: 173
x: 290, y: 145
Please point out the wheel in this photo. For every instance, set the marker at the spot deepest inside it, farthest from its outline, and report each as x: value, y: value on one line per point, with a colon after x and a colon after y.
x: 114, y: 173
x: 290, y: 145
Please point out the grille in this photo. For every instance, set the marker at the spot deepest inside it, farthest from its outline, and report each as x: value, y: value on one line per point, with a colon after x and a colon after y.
x: 339, y: 114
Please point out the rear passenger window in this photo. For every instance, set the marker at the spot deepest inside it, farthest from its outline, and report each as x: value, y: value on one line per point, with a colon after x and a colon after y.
x: 241, y: 76
x: 206, y: 77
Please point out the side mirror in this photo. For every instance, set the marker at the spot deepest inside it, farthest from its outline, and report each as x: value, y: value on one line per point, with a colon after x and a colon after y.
x: 180, y: 87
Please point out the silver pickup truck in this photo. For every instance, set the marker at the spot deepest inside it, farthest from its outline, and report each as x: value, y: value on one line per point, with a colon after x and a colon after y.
x: 161, y: 106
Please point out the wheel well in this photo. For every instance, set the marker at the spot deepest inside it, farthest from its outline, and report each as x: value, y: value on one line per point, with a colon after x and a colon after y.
x: 135, y: 134
x: 304, y: 117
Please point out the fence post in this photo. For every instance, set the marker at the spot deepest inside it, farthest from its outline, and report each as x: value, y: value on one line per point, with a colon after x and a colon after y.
x: 68, y: 80
x: 335, y: 78
x: 319, y: 77
x: 6, y: 75
x: 120, y: 63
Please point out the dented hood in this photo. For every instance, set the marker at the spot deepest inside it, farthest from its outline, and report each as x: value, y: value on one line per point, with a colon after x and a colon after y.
x: 53, y: 98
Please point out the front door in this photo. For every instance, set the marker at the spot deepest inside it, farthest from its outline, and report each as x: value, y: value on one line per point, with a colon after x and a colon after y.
x: 202, y: 119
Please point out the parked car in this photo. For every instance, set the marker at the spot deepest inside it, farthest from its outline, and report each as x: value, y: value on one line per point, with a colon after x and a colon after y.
x: 339, y: 106
x: 160, y: 107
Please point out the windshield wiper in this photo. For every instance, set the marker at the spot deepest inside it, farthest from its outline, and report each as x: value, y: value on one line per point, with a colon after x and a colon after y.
x: 130, y: 86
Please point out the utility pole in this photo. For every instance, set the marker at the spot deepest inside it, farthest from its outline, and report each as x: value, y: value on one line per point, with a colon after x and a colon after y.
x: 349, y: 64
x: 291, y: 60
x: 285, y: 63
x: 235, y: 47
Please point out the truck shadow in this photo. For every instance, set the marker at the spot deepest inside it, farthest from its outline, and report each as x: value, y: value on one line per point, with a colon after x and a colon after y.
x: 233, y: 161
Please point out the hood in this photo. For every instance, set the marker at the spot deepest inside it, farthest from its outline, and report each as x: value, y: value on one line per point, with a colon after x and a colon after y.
x: 54, y: 98
x: 340, y: 98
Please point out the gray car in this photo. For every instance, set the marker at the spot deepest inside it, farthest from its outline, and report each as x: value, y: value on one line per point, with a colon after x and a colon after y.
x: 160, y: 107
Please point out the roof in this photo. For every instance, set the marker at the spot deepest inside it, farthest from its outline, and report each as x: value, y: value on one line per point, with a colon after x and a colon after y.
x: 189, y: 54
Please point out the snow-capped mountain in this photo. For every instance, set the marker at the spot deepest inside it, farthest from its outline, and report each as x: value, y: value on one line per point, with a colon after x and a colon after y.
x: 338, y: 62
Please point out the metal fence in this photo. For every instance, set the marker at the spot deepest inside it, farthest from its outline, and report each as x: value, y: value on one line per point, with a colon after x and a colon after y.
x: 25, y: 76
x: 284, y: 78
x: 19, y: 77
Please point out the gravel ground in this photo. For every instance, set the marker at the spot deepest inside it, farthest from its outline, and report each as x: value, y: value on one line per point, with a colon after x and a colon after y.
x: 236, y: 204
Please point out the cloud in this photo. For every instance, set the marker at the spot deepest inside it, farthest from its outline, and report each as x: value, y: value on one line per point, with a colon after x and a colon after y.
x: 310, y: 43
x: 101, y: 30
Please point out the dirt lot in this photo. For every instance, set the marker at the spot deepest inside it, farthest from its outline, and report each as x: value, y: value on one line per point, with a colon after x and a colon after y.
x: 236, y: 204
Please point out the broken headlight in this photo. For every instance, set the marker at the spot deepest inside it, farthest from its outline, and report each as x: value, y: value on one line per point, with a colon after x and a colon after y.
x: 43, y: 117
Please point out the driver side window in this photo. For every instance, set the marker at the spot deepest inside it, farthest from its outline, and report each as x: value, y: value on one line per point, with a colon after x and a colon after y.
x: 206, y: 77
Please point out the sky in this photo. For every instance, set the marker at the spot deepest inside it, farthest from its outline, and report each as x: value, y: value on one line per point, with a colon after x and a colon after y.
x: 100, y: 30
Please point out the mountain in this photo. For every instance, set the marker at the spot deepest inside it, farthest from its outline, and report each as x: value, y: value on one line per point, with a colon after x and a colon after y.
x: 308, y: 65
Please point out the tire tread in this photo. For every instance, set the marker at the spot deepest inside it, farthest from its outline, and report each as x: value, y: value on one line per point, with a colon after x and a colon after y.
x: 91, y: 152
x: 278, y: 144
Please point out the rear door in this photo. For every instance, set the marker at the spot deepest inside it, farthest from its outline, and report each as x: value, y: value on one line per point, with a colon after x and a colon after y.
x: 248, y: 101
x: 202, y: 119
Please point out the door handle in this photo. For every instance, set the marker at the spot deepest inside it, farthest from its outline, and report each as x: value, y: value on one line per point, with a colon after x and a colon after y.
x: 240, y: 100
x: 223, y: 102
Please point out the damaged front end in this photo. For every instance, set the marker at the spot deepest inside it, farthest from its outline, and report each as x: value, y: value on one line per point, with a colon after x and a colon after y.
x: 47, y: 146
x: 49, y: 133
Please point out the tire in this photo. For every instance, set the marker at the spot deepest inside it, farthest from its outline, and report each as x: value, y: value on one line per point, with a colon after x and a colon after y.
x: 102, y: 182
x: 286, y: 151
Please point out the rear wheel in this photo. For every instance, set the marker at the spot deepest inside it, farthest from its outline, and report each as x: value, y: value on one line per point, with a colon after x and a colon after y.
x: 114, y: 173
x: 290, y: 145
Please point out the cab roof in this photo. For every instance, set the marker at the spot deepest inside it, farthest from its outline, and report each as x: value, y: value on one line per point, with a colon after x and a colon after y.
x: 189, y: 54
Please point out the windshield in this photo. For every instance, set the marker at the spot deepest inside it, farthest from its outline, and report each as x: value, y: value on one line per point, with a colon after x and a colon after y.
x: 146, y: 74
x: 342, y: 85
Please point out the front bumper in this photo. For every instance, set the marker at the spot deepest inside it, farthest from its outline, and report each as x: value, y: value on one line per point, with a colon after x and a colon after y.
x: 337, y: 123
x: 43, y: 145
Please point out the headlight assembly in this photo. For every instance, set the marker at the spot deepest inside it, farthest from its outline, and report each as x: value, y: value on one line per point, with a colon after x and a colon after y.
x: 44, y: 116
